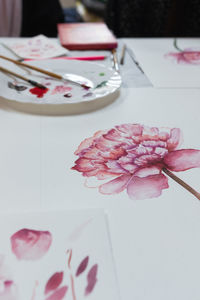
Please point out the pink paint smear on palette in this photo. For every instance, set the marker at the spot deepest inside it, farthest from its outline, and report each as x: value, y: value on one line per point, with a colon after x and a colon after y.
x: 61, y: 89
x: 135, y: 158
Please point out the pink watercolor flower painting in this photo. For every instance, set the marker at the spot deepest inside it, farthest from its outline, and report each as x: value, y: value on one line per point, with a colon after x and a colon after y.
x: 135, y: 158
x: 30, y: 244
x: 185, y: 56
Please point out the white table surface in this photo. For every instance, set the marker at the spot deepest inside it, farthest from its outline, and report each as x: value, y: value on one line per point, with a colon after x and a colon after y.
x: 156, y: 241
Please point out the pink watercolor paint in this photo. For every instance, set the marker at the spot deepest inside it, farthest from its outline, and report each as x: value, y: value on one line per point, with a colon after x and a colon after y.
x: 27, y: 244
x: 61, y: 89
x: 83, y: 265
x: 59, y: 294
x: 9, y: 291
x: 54, y: 282
x: 190, y: 56
x: 8, y: 288
x: 91, y: 280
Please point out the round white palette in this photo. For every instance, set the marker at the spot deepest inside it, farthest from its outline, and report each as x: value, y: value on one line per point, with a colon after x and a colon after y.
x: 105, y: 82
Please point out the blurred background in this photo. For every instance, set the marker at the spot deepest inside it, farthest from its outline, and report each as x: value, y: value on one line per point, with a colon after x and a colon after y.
x: 84, y: 10
x: 130, y: 18
x: 139, y: 18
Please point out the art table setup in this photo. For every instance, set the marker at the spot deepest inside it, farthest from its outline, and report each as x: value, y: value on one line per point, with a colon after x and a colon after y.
x: 100, y: 171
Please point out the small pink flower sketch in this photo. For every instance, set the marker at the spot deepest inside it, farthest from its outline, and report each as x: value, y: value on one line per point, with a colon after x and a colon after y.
x: 8, y: 289
x: 30, y: 244
x: 185, y: 56
x: 133, y: 157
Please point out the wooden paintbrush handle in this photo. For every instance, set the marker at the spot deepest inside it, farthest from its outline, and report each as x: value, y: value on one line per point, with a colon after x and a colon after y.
x: 13, y: 73
x: 32, y: 67
x: 33, y: 82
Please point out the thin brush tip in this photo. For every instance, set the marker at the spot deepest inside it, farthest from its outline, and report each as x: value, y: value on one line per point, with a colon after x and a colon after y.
x: 39, y: 85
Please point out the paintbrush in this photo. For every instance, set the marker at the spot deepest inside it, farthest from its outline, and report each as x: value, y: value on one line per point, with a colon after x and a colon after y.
x: 115, y: 60
x: 123, y: 55
x: 79, y: 80
x: 32, y: 82
x: 130, y: 52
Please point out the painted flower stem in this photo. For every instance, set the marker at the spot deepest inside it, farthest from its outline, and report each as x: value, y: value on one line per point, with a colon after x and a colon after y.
x: 176, y: 46
x: 182, y: 183
x: 69, y: 251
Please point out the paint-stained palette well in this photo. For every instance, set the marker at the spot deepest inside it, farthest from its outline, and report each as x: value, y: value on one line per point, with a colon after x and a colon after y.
x: 105, y: 82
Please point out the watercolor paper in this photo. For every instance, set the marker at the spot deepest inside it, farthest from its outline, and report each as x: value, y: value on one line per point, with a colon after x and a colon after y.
x: 135, y: 158
x: 38, y: 47
x: 43, y: 258
x: 169, y: 62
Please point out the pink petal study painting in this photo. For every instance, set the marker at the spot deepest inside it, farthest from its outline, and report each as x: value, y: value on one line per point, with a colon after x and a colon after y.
x: 190, y: 56
x: 57, y: 259
x: 30, y: 244
x: 135, y: 158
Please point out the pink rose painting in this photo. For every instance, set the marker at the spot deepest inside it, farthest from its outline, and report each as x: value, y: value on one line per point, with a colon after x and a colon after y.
x: 135, y: 158
x: 185, y: 56
x: 30, y: 244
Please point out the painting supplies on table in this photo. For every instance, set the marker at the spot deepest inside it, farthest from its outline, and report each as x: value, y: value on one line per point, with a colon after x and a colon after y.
x: 76, y: 79
x: 33, y: 82
x: 87, y: 58
x: 38, y: 47
x: 123, y: 54
x: 115, y: 60
x: 86, y: 36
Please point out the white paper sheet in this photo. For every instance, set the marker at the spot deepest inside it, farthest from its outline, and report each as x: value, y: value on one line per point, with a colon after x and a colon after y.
x: 56, y: 255
x: 165, y: 65
x: 38, y: 47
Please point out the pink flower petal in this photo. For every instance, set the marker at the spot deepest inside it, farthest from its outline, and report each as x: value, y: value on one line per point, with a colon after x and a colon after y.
x: 82, y: 266
x: 116, y: 167
x: 8, y: 291
x: 149, y: 132
x: 115, y: 186
x: 130, y: 130
x: 30, y: 244
x: 91, y: 280
x: 59, y: 294
x: 83, y: 165
x: 175, y: 139
x: 54, y: 281
x: 147, y: 187
x: 106, y: 145
x: 144, y: 172
x: 113, y: 135
x: 88, y: 142
x: 181, y: 160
